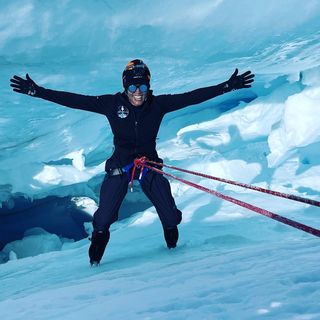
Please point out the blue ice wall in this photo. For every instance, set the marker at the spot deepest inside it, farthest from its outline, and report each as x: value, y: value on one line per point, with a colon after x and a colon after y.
x: 82, y: 46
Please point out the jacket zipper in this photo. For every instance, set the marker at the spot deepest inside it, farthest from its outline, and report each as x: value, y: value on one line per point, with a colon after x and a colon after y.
x: 136, y: 132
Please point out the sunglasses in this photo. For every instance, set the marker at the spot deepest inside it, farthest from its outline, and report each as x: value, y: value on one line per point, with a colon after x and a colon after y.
x: 133, y: 88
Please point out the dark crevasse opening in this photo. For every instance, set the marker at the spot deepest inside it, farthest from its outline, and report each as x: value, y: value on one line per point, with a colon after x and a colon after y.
x: 57, y: 215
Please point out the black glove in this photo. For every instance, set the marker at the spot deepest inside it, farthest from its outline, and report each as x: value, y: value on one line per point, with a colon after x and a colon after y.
x: 239, y: 81
x: 27, y: 86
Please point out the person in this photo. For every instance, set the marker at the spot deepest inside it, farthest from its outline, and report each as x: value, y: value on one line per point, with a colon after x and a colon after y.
x: 135, y: 117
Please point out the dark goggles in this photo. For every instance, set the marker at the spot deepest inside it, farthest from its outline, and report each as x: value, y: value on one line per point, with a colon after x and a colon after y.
x: 133, y: 88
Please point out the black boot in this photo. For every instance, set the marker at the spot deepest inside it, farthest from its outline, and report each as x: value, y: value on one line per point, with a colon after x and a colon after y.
x: 99, y: 241
x: 171, y: 235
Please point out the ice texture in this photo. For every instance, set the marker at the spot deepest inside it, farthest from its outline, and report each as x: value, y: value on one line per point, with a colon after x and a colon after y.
x: 230, y: 263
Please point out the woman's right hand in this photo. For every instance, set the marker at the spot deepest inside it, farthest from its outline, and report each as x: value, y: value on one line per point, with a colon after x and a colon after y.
x: 26, y: 86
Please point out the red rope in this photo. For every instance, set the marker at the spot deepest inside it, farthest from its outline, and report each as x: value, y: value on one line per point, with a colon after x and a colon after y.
x: 244, y: 185
x: 246, y: 205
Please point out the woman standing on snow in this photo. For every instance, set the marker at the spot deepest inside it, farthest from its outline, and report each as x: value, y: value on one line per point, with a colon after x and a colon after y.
x: 135, y: 116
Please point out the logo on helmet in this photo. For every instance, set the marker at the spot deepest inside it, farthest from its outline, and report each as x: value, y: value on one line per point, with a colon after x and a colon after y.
x: 122, y: 112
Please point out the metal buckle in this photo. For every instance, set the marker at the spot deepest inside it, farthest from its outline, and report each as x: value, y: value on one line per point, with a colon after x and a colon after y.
x: 115, y: 172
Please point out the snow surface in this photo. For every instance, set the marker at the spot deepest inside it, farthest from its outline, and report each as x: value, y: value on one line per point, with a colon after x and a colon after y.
x: 231, y: 263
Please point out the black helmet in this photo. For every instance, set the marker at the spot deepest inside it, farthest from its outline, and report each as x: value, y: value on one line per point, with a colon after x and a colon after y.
x: 136, y: 72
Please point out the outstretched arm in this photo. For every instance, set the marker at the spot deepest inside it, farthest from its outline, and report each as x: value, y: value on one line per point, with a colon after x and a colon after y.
x: 177, y: 101
x: 72, y: 100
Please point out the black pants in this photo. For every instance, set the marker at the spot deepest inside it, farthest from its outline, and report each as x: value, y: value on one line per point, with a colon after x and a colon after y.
x: 154, y: 185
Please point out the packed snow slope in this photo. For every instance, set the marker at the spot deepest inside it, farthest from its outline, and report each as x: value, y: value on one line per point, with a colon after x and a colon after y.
x: 231, y: 263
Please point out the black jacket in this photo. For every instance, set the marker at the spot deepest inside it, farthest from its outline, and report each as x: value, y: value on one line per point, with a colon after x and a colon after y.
x: 134, y: 128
